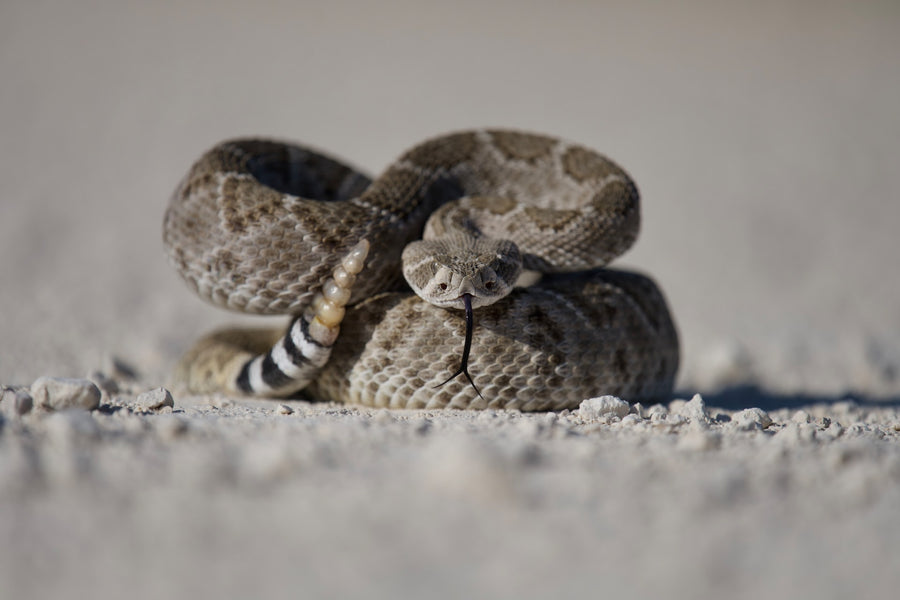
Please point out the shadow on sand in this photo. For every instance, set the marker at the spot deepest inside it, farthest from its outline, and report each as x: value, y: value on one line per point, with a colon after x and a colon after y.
x: 747, y: 396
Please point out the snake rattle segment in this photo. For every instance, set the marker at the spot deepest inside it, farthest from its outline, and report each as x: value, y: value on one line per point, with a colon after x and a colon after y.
x: 470, y: 274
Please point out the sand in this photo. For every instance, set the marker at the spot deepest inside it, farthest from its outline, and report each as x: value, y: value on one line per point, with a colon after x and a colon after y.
x: 764, y: 140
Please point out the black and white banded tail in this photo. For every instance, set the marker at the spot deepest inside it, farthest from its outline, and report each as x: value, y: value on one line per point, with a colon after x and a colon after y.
x: 298, y: 356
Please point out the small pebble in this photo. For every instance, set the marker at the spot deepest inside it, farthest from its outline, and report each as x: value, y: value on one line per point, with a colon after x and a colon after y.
x: 593, y: 408
x: 631, y: 419
x: 155, y: 399
x: 15, y: 401
x: 284, y: 409
x: 59, y: 393
x: 750, y: 419
x: 657, y: 412
x: 695, y: 410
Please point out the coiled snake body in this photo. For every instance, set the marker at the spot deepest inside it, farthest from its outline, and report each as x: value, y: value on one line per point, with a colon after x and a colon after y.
x: 271, y: 228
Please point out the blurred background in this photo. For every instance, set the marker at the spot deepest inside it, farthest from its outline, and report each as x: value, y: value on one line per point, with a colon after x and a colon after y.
x: 764, y: 137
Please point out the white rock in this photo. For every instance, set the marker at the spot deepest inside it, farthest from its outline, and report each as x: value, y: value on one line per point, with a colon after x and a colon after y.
x: 593, y: 408
x: 657, y: 412
x: 60, y: 393
x: 284, y: 409
x: 750, y: 419
x: 155, y: 399
x: 631, y: 419
x: 695, y: 411
x: 15, y: 401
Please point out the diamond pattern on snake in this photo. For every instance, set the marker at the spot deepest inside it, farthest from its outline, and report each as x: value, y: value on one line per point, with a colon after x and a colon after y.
x: 472, y: 273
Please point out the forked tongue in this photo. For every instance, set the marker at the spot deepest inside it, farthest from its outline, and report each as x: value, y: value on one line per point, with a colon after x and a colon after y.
x: 464, y: 364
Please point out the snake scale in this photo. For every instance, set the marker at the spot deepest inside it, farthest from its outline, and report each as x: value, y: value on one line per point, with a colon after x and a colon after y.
x: 470, y: 274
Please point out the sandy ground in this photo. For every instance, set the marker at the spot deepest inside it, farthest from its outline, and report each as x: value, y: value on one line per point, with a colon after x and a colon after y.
x: 764, y: 139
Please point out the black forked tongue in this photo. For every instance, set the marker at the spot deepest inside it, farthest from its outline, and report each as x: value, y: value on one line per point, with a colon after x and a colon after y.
x: 464, y: 364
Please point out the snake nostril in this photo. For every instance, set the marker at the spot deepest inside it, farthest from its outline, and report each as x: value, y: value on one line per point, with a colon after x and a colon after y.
x: 489, y: 285
x: 442, y: 286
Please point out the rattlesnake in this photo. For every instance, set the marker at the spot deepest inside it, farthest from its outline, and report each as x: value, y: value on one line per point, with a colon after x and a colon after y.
x: 267, y: 227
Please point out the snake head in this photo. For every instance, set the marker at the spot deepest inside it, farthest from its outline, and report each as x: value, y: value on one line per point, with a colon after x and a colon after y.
x: 443, y: 270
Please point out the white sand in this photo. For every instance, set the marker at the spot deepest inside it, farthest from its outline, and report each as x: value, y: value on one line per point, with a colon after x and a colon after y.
x: 765, y: 142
